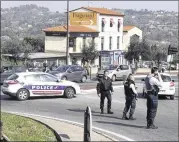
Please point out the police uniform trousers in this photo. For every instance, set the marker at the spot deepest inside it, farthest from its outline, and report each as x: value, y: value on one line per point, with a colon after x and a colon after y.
x: 152, y: 104
x: 130, y: 104
x: 105, y: 94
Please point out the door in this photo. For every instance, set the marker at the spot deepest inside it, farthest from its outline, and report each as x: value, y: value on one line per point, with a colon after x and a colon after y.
x: 34, y: 84
x: 77, y: 73
x: 119, y: 72
x: 51, y: 85
x: 71, y: 73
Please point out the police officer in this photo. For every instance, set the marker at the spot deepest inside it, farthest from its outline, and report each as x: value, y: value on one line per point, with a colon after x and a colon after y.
x: 105, y: 88
x: 130, y: 95
x: 152, y: 88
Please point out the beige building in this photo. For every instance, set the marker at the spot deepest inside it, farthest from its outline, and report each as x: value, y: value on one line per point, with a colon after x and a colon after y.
x: 104, y: 29
x: 130, y: 33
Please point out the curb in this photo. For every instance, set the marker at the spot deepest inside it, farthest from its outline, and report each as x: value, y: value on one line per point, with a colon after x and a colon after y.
x: 5, y: 138
x: 55, y: 133
x: 72, y: 123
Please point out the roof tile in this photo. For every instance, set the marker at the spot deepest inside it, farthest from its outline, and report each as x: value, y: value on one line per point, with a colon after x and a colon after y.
x: 71, y: 29
x: 128, y: 28
x: 104, y: 11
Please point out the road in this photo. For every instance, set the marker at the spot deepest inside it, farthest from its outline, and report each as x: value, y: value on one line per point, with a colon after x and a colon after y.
x: 73, y: 110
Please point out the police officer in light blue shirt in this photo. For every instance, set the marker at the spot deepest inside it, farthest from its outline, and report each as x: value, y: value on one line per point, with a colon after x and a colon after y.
x: 152, y: 88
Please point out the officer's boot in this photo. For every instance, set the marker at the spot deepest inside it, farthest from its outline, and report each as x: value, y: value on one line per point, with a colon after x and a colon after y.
x: 131, y: 117
x: 125, y: 116
x: 110, y: 112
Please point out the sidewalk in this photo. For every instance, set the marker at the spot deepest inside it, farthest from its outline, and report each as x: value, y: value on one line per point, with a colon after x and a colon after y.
x: 69, y: 132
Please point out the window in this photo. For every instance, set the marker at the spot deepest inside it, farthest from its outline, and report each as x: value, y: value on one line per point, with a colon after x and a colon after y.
x: 93, y: 41
x: 166, y: 78
x: 102, y: 43
x: 110, y: 42
x: 111, y: 22
x: 78, y: 68
x: 102, y: 25
x: 13, y: 77
x: 48, y: 78
x: 33, y: 78
x: 118, y: 38
x: 74, y: 45
x: 84, y: 41
x: 124, y: 67
x: 118, y: 25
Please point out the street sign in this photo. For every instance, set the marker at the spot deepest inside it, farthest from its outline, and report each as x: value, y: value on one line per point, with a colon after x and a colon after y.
x: 83, y: 18
x: 172, y: 50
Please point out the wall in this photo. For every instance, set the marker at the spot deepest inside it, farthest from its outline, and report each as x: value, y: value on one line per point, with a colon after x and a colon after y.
x: 111, y: 31
x: 127, y: 35
x: 54, y: 43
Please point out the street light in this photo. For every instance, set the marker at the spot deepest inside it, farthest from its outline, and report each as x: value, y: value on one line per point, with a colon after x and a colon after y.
x: 67, y: 44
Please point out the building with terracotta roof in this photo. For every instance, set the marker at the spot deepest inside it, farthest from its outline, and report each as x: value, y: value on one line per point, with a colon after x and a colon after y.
x: 130, y: 33
x: 101, y: 26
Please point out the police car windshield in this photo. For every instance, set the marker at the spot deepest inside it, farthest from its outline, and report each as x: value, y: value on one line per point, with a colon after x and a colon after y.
x: 111, y: 67
x: 62, y: 68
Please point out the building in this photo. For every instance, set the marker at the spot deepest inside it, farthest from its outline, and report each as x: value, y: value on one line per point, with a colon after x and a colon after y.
x: 99, y: 26
x: 130, y: 33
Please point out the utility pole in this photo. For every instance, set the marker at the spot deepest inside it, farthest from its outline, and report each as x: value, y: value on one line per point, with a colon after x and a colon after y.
x: 67, y: 44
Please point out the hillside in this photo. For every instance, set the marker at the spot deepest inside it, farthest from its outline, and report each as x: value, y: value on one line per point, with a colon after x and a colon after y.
x: 29, y: 20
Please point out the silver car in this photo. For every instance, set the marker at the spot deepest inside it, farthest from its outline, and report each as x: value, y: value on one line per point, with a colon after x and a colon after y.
x: 116, y: 72
x: 70, y: 72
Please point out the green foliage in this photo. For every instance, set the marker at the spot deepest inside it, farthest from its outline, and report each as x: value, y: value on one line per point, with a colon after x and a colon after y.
x: 36, y: 43
x: 89, y: 52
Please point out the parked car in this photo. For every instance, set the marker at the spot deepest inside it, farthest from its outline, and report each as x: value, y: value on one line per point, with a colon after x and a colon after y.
x: 115, y: 72
x: 26, y: 84
x: 9, y: 70
x: 71, y: 73
x: 168, y: 86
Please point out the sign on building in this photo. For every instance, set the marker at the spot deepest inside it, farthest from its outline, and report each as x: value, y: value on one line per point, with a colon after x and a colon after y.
x: 172, y: 50
x: 83, y: 18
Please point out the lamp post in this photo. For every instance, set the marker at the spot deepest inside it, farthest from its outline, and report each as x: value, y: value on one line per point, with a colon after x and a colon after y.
x: 67, y: 43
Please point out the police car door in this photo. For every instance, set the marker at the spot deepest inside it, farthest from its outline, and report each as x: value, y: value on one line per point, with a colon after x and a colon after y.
x: 51, y: 85
x: 34, y: 84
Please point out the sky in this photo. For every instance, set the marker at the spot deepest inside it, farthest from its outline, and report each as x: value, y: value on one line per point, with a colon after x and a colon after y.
x: 61, y: 5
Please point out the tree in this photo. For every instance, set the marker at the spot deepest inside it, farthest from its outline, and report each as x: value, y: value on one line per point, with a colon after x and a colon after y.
x: 158, y: 53
x: 89, y: 53
x: 138, y: 49
x: 36, y: 43
x: 17, y: 49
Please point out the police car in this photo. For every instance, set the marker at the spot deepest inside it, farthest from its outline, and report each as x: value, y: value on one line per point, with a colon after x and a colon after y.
x: 168, y: 86
x: 26, y: 84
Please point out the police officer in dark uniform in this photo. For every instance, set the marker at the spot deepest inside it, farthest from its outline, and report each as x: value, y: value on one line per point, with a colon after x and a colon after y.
x: 130, y: 95
x: 152, y: 88
x: 105, y: 88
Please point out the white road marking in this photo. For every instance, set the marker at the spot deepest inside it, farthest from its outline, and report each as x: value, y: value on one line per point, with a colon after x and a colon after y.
x: 74, y: 123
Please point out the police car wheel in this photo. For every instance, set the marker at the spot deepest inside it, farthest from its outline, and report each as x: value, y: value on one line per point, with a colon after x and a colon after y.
x: 69, y: 92
x: 83, y: 79
x: 172, y: 97
x: 113, y: 78
x: 22, y: 94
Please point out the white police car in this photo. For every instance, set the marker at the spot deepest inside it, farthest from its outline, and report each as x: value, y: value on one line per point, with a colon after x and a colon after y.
x: 168, y: 86
x: 26, y: 84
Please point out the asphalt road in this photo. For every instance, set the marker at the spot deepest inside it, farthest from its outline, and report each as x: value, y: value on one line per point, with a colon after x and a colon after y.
x: 73, y: 109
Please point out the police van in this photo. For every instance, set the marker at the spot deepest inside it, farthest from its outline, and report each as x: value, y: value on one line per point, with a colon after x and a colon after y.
x: 26, y: 84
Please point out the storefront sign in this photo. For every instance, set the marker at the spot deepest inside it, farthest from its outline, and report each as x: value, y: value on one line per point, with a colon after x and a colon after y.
x: 83, y: 18
x: 55, y: 34
x: 84, y: 34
